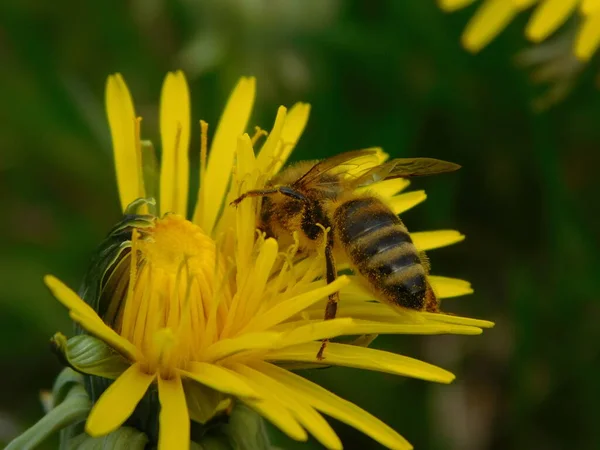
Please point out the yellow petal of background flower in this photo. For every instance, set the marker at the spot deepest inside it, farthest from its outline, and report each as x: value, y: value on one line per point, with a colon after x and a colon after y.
x: 308, y: 417
x: 588, y: 38
x: 446, y: 287
x: 220, y: 160
x: 404, y: 202
x: 117, y: 403
x: 294, y: 125
x: 429, y: 240
x: 547, y: 17
x: 122, y: 121
x: 174, y: 418
x: 489, y: 20
x: 362, y: 358
x: 83, y: 314
x: 175, y: 138
x: 218, y: 378
x: 334, y: 406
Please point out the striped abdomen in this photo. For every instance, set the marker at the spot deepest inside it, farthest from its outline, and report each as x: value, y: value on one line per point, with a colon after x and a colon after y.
x: 380, y: 248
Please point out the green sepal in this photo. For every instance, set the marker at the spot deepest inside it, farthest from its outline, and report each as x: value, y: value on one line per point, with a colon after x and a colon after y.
x: 212, y: 443
x: 124, y: 438
x: 203, y: 402
x: 107, y: 273
x: 246, y: 430
x: 90, y: 355
x: 70, y: 407
x: 133, y: 208
x: 64, y: 383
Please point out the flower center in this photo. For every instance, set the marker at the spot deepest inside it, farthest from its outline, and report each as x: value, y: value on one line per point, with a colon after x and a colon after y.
x: 170, y: 297
x: 175, y: 241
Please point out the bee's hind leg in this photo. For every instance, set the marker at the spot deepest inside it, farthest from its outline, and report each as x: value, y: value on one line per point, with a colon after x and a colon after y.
x: 332, y: 301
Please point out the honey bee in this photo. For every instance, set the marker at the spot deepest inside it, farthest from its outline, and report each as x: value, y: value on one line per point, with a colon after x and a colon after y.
x: 311, y: 197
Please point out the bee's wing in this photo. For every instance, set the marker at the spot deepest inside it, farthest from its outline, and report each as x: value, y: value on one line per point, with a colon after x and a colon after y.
x: 403, y: 168
x: 343, y: 163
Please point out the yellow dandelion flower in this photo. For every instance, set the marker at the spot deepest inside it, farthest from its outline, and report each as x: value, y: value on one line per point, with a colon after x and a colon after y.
x: 204, y: 302
x: 548, y: 15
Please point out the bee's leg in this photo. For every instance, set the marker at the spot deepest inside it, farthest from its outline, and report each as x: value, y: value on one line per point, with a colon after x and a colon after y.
x: 431, y: 302
x: 332, y: 301
x: 256, y: 193
x: 285, y: 190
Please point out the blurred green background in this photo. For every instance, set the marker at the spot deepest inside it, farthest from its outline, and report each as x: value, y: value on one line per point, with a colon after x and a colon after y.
x: 388, y: 73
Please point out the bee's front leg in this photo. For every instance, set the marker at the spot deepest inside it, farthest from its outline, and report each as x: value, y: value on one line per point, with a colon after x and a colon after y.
x: 332, y: 301
x: 285, y: 190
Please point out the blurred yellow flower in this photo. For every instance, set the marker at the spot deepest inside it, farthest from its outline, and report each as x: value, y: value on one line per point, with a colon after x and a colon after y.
x: 205, y: 302
x: 548, y: 15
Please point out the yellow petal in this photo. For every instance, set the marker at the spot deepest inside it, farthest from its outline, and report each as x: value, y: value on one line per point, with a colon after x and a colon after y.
x: 429, y: 240
x: 302, y: 412
x: 362, y: 323
x: 386, y: 188
x: 246, y: 341
x: 174, y: 419
x: 105, y: 333
x: 457, y: 320
x: 294, y: 125
x: 547, y: 17
x: 362, y: 358
x: 122, y: 121
x: 590, y: 6
x: 83, y: 314
x: 404, y: 202
x: 220, y: 161
x: 446, y: 287
x: 218, y: 378
x: 588, y: 38
x: 267, y: 155
x: 251, y: 295
x: 316, y: 331
x: 287, y: 308
x: 117, y: 403
x: 175, y: 138
x: 278, y: 416
x: 523, y: 4
x: 453, y: 5
x: 245, y: 212
x: 489, y: 20
x: 68, y: 297
x: 334, y: 406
